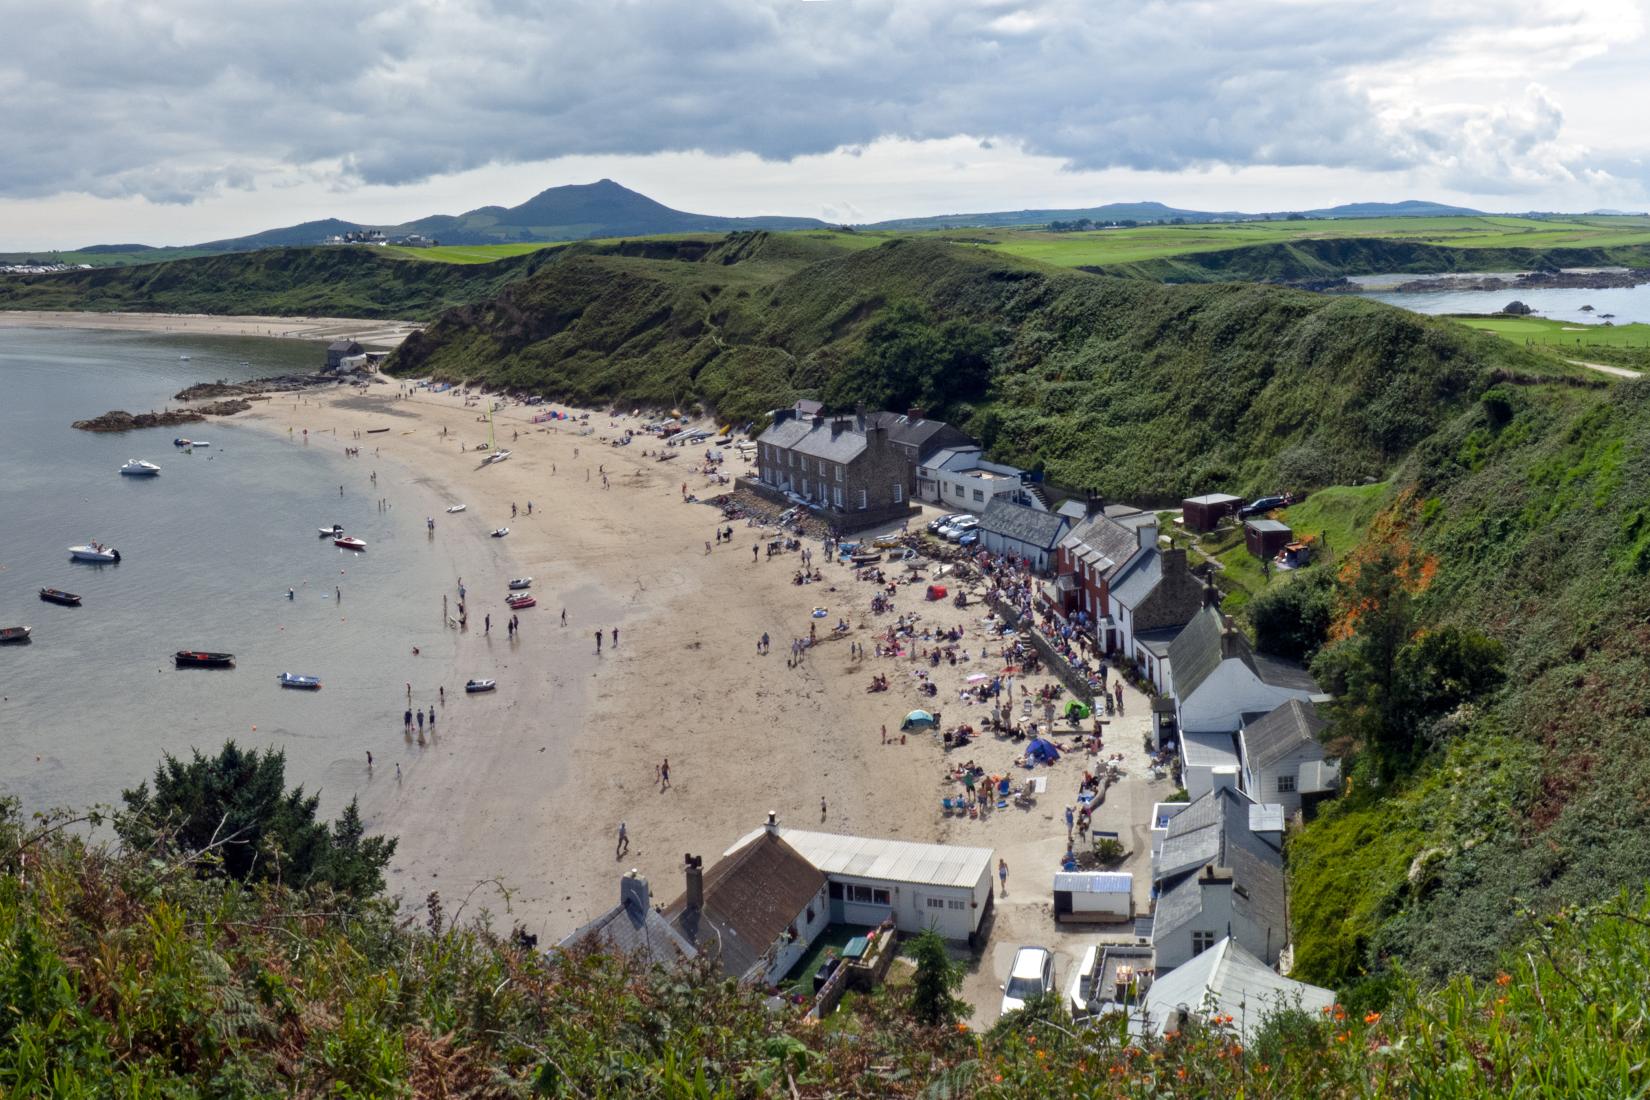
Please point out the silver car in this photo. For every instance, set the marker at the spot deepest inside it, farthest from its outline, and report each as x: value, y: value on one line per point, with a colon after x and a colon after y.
x: 1031, y: 976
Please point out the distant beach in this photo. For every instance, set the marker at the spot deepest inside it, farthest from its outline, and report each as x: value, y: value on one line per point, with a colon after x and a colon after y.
x: 379, y: 334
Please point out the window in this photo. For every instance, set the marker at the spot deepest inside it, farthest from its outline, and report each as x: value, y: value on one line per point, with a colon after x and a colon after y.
x: 806, y: 487
x: 863, y: 502
x: 1286, y: 784
x: 839, y: 473
x: 956, y: 903
x: 868, y: 895
x: 1202, y: 941
x: 835, y: 889
x: 836, y: 494
x: 935, y: 903
x: 978, y: 495
x: 899, y: 492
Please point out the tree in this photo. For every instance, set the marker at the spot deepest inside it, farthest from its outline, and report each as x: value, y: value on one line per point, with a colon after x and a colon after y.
x: 236, y: 807
x: 1292, y: 620
x: 933, y: 992
x: 907, y: 359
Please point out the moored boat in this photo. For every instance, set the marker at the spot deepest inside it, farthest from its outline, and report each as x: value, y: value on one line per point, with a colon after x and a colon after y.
x: 455, y: 508
x: 521, y: 582
x: 94, y: 551
x: 518, y: 602
x: 475, y: 687
x: 57, y: 595
x: 17, y: 634
x: 182, y: 442
x: 348, y: 543
x: 295, y: 680
x: 196, y: 658
x: 336, y: 531
x: 136, y: 467
x: 500, y: 532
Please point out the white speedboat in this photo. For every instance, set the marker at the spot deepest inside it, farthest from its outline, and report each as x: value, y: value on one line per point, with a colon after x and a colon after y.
x: 299, y: 681
x: 500, y: 532
x: 476, y: 687
x: 136, y: 467
x: 94, y: 551
x: 517, y: 583
x: 200, y: 443
x: 336, y: 531
x: 496, y: 456
x: 455, y: 508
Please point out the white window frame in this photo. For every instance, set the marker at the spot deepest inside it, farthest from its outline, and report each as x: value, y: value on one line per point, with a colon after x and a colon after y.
x: 899, y: 493
x: 864, y: 500
x: 1286, y: 784
x: 1202, y: 941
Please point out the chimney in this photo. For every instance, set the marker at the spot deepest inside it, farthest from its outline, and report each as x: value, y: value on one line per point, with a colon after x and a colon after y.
x: 819, y: 420
x: 1225, y: 777
x: 633, y: 892
x: 914, y: 414
x: 1146, y: 533
x: 772, y: 827
x: 1214, y: 876
x: 837, y: 424
x: 1211, y: 594
x: 694, y: 866
x: 1174, y: 562
x: 1232, y: 642
x: 859, y: 417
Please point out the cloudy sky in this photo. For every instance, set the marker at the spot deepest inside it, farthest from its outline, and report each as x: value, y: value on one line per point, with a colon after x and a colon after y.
x: 174, y: 121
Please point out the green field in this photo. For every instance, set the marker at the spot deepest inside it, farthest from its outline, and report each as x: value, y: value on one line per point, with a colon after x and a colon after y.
x: 469, y: 253
x: 1543, y: 332
x: 1115, y: 246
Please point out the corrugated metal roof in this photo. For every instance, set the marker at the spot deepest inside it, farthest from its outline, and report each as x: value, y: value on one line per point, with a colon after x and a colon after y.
x: 1227, y: 979
x: 1266, y: 525
x: 1214, y: 498
x: 888, y: 860
x: 1094, y: 882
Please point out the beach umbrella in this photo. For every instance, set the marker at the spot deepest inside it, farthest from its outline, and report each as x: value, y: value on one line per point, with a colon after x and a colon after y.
x: 978, y: 677
x: 917, y: 718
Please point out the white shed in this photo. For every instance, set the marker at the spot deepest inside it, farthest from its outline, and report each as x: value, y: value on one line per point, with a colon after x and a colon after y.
x: 1081, y: 896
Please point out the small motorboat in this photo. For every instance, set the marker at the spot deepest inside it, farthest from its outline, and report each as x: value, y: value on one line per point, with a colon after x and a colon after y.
x: 195, y: 658
x: 183, y: 358
x: 182, y: 442
x: 475, y: 687
x: 521, y: 582
x: 349, y: 543
x: 294, y: 680
x: 500, y: 532
x: 9, y: 634
x: 57, y: 595
x: 94, y: 551
x: 455, y: 508
x: 518, y: 602
x: 136, y: 467
x: 336, y: 531
x: 200, y: 443
x: 496, y: 456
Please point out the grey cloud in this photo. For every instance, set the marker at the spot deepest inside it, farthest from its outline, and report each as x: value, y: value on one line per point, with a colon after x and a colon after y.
x: 183, y: 98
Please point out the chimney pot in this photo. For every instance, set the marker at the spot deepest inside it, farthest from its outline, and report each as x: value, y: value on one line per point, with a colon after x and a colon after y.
x: 695, y: 882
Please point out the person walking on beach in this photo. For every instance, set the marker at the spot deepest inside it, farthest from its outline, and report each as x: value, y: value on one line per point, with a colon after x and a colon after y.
x: 1002, y: 875
x: 754, y: 548
x: 443, y: 690
x: 432, y: 718
x: 564, y: 616
x: 598, y: 642
x: 398, y: 773
x: 664, y: 776
x: 369, y: 760
x: 409, y: 691
x: 337, y: 594
x: 615, y: 637
x: 406, y: 719
x: 1071, y: 819
x: 487, y: 623
x: 420, y: 713
x: 624, y: 842
x: 822, y: 807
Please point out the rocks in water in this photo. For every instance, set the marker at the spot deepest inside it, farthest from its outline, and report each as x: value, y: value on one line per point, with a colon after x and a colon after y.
x: 1517, y: 309
x: 119, y: 420
x: 280, y: 383
x: 1586, y: 309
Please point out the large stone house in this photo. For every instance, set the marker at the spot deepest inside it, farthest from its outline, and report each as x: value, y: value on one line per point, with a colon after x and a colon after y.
x: 1152, y: 598
x: 846, y: 469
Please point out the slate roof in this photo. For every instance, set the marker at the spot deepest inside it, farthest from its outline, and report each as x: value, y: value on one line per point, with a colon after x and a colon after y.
x: 1196, y: 653
x: 805, y: 407
x: 954, y: 459
x: 1204, y: 832
x: 1157, y: 643
x: 1226, y: 979
x: 631, y: 928
x: 919, y: 435
x: 1015, y: 521
x: 1136, y: 581
x: 343, y: 346
x: 1115, y: 541
x: 815, y: 441
x: 1292, y: 726
x: 750, y: 898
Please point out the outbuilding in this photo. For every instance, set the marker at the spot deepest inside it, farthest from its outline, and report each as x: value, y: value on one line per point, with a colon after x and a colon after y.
x: 1265, y: 537
x: 1204, y: 513
x: 919, y: 886
x: 1093, y: 896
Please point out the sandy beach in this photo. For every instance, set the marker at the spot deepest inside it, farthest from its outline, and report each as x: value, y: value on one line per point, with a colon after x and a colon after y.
x: 376, y: 334
x: 528, y: 785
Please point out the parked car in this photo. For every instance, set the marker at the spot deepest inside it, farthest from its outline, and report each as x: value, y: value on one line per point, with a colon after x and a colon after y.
x: 1261, y: 506
x: 970, y: 538
x: 935, y: 524
x: 960, y: 528
x: 1031, y: 976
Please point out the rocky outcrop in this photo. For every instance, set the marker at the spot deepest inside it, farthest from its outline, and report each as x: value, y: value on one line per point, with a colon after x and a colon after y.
x: 280, y: 383
x: 119, y: 420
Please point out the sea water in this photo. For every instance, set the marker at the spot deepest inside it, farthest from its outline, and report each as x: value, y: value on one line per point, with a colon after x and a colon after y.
x: 1629, y: 304
x: 209, y: 549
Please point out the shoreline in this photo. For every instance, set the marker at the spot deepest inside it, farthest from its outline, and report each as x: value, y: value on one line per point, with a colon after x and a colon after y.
x: 383, y: 334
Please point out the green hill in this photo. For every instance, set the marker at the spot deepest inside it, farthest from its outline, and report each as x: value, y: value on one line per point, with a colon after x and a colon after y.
x: 1127, y: 387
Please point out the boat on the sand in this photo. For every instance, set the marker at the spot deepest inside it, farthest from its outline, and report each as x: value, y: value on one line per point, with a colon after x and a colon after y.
x: 57, y: 595
x: 518, y: 602
x: 500, y: 532
x: 10, y: 634
x: 475, y: 687
x: 295, y: 680
x: 198, y: 658
x: 521, y: 582
x: 348, y: 542
x: 455, y: 508
x: 94, y: 551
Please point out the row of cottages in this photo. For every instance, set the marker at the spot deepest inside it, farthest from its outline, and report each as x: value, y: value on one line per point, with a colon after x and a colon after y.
x: 1019, y: 530
x: 854, y: 471
x: 759, y: 908
x: 1089, y: 559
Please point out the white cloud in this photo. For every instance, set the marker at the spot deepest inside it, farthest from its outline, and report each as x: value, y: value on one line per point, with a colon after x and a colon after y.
x: 180, y: 100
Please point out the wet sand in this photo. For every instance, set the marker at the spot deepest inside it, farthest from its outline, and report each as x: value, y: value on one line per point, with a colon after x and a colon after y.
x: 375, y: 334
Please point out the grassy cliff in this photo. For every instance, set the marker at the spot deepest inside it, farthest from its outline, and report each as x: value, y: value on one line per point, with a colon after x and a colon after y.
x: 1124, y: 386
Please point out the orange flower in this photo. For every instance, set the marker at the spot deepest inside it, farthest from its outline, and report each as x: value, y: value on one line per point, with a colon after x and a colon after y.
x: 1372, y: 1018
x: 1503, y: 979
x: 1343, y: 1036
